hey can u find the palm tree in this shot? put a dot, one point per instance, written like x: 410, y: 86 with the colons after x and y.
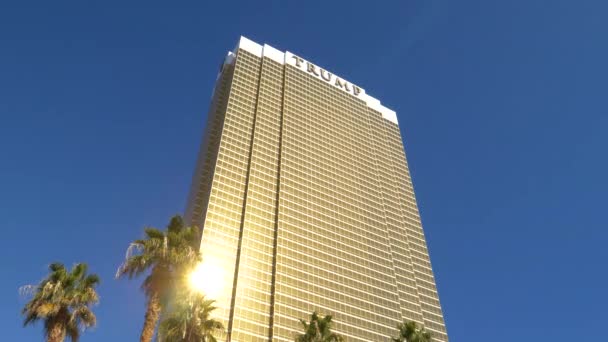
x: 190, y: 319
x: 412, y: 332
x: 318, y: 330
x: 167, y: 255
x: 63, y: 301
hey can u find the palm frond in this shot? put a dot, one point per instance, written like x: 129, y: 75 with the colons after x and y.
x: 62, y: 299
x: 410, y: 331
x: 318, y: 329
x: 176, y: 224
x: 27, y: 290
x: 191, y: 314
x: 153, y: 233
x: 78, y: 271
x: 91, y: 280
x: 56, y: 267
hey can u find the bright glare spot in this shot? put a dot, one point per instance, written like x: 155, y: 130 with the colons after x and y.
x: 207, y: 278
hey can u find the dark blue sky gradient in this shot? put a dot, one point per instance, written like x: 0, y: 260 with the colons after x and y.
x: 502, y: 105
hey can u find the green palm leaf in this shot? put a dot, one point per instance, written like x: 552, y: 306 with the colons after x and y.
x: 412, y: 332
x: 318, y: 330
x: 190, y: 320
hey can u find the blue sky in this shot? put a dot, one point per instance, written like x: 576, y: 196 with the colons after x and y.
x: 502, y: 106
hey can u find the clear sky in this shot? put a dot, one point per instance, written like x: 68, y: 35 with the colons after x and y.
x: 502, y: 105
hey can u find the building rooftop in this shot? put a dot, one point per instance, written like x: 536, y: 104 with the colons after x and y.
x: 314, y: 70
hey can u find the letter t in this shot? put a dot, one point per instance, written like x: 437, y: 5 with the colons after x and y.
x: 298, y: 60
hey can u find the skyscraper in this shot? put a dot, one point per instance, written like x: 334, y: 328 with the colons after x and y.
x: 306, y: 202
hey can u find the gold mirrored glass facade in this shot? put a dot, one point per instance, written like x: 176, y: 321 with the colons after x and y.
x: 306, y: 202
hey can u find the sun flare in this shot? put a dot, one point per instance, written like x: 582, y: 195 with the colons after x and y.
x: 207, y: 278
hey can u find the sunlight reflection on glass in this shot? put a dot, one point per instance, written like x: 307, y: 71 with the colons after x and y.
x: 208, y: 278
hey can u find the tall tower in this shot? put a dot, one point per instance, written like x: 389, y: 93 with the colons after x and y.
x: 306, y: 202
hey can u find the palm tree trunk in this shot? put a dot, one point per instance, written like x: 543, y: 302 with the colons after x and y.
x: 56, y: 332
x: 152, y: 316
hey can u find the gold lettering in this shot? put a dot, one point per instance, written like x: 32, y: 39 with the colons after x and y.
x: 312, y: 68
x: 328, y: 78
x: 342, y: 84
x: 298, y: 60
x: 356, y: 90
